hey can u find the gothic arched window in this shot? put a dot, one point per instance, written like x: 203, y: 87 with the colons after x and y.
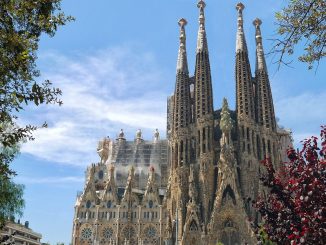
x: 88, y: 204
x: 228, y: 195
x: 228, y: 223
x: 109, y: 204
x: 193, y: 226
x: 150, y: 204
x: 100, y: 174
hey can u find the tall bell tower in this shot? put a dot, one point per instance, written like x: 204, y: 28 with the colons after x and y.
x: 204, y: 118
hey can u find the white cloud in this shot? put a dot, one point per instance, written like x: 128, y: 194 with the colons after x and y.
x: 304, y: 114
x: 102, y: 93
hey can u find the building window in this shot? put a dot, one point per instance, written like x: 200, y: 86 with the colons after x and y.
x: 88, y: 204
x: 248, y: 133
x: 109, y: 204
x: 150, y: 204
x: 100, y: 174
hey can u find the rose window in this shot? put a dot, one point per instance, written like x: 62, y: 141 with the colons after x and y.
x: 151, y: 232
x: 107, y: 232
x: 129, y: 234
x: 86, y: 233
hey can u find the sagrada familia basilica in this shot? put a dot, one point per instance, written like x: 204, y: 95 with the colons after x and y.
x: 195, y: 187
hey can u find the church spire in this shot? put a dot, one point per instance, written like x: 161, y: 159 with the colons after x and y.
x: 204, y: 118
x: 241, y: 44
x: 203, y: 86
x: 264, y: 104
x: 201, y: 39
x: 244, y: 85
x: 181, y: 112
x: 182, y: 104
x: 182, y: 64
x: 260, y: 58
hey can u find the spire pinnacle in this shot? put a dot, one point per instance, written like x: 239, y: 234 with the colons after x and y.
x: 241, y: 41
x: 261, y: 63
x: 257, y: 22
x: 201, y: 5
x: 201, y: 41
x: 182, y: 64
x: 240, y: 7
x: 182, y: 22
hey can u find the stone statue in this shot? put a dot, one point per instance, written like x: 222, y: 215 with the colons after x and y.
x: 121, y: 134
x: 103, y: 149
x: 156, y: 136
x: 138, y: 134
x: 226, y: 124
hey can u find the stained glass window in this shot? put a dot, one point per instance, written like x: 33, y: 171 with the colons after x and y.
x: 88, y: 204
x: 100, y: 174
x: 150, y: 204
x: 86, y: 233
x: 109, y: 204
x: 107, y: 232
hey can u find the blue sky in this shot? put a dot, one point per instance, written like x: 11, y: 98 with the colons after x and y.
x: 116, y: 66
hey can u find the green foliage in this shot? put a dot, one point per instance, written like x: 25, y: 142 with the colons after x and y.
x: 219, y: 243
x: 11, y: 199
x: 11, y: 194
x: 21, y: 25
x: 263, y: 238
x: 302, y: 22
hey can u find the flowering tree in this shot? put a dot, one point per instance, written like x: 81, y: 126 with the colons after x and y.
x: 295, y: 211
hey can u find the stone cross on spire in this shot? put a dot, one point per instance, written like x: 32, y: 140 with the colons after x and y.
x: 182, y: 64
x: 201, y: 39
x: 261, y: 63
x: 241, y: 40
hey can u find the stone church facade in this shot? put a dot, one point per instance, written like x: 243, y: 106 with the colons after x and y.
x: 194, y: 187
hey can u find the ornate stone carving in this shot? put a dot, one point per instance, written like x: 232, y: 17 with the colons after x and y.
x: 103, y: 149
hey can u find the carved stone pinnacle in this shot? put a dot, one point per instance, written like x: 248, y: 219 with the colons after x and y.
x: 182, y: 22
x: 201, y: 4
x: 240, y: 6
x: 257, y: 22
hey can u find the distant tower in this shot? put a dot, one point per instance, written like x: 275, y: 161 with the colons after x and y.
x: 204, y: 119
